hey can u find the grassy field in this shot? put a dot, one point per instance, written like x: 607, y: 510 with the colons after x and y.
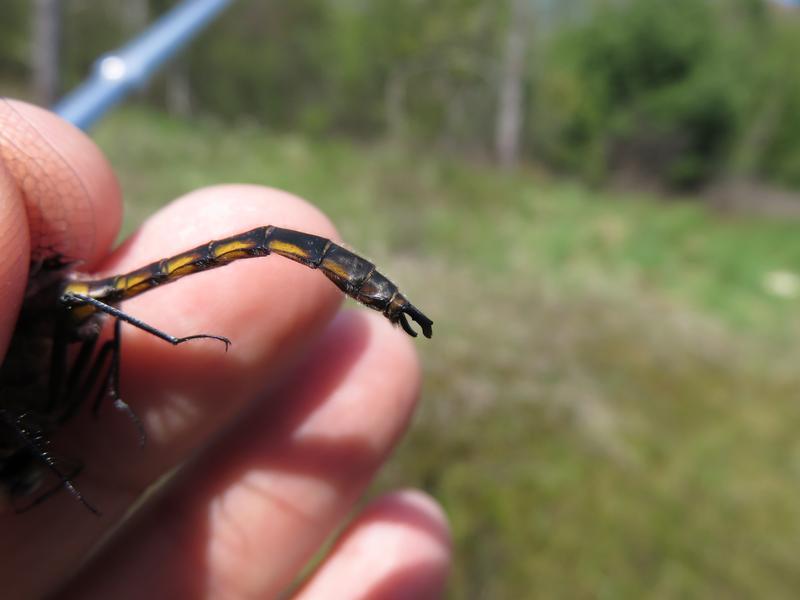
x: 612, y: 402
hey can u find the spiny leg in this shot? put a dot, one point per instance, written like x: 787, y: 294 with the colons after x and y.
x: 80, y: 365
x: 53, y: 491
x: 77, y: 299
x: 85, y: 375
x: 32, y: 441
x: 82, y: 370
x: 110, y: 386
x: 58, y: 368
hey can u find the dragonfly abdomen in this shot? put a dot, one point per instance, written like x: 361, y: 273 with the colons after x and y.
x: 354, y: 275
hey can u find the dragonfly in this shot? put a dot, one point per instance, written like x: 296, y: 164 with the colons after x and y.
x: 56, y: 360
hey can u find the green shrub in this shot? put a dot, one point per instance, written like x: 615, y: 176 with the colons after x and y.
x: 657, y: 88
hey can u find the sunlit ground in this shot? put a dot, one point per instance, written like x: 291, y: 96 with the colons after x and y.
x: 611, y: 399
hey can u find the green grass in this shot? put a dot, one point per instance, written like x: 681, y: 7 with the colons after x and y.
x: 611, y: 398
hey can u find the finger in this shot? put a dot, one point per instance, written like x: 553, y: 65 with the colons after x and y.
x: 72, y: 197
x: 14, y: 254
x: 398, y: 548
x: 252, y: 510
x: 47, y: 166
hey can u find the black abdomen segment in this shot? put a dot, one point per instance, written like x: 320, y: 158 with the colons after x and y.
x: 355, y: 276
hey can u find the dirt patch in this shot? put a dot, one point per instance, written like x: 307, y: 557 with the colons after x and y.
x: 749, y: 197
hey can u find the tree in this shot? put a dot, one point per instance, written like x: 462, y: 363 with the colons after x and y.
x: 45, y: 50
x: 508, y: 129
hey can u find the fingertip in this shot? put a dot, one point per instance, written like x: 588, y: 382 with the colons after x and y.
x: 399, y: 547
x: 14, y: 254
x: 415, y: 508
x: 414, y: 501
x: 63, y: 153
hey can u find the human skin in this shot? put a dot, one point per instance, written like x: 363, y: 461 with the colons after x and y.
x: 279, y: 436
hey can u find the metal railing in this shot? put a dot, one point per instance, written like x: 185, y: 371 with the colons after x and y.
x: 120, y: 72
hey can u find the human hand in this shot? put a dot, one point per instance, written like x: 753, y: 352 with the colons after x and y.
x: 282, y: 434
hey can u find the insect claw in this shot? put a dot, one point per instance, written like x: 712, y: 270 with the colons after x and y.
x: 201, y: 336
x: 222, y: 339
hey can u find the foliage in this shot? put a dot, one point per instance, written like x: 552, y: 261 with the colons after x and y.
x: 611, y: 396
x: 659, y: 88
x: 666, y: 93
x: 14, y: 38
x: 774, y: 147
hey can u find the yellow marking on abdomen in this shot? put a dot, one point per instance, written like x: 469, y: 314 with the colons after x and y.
x: 236, y: 246
x: 280, y: 247
x: 335, y: 268
x: 179, y: 262
x: 77, y: 287
x: 133, y: 280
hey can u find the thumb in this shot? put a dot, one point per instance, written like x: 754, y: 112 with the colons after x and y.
x: 14, y: 254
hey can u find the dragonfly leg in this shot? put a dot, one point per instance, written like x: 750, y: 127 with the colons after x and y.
x: 58, y: 368
x: 99, y: 371
x: 33, y: 442
x: 96, y: 371
x: 71, y: 298
x: 110, y: 387
x: 70, y: 396
x: 70, y: 476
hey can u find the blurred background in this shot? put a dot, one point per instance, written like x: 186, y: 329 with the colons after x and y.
x: 597, y: 202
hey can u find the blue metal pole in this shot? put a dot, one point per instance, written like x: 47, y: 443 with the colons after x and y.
x: 119, y: 72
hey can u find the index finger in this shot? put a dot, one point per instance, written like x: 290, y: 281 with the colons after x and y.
x: 70, y: 195
x: 48, y: 167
